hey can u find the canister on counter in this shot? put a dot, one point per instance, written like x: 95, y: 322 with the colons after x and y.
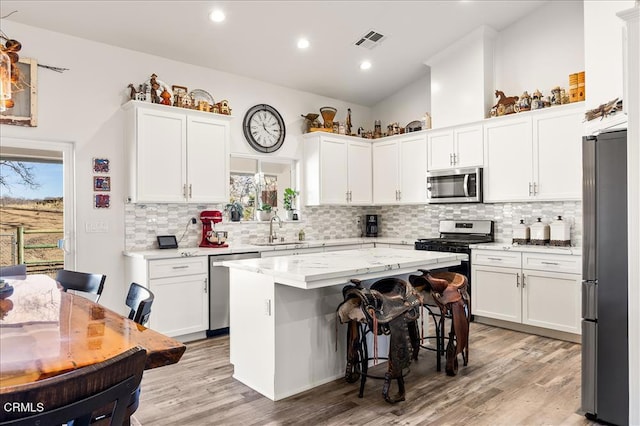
x: 560, y: 233
x: 521, y: 233
x: 539, y: 233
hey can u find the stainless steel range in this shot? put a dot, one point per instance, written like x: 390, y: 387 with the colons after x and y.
x: 455, y: 237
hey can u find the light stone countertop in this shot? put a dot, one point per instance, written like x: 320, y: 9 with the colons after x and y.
x: 575, y: 251
x: 248, y: 248
x: 317, y: 270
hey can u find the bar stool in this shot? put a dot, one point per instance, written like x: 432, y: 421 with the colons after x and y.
x: 387, y: 308
x: 449, y: 292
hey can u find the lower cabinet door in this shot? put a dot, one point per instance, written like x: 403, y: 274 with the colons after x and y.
x: 495, y: 293
x: 552, y: 300
x: 181, y: 305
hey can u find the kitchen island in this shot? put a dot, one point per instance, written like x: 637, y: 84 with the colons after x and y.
x: 283, y: 313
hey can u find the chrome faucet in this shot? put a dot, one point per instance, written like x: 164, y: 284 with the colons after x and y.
x: 272, y: 234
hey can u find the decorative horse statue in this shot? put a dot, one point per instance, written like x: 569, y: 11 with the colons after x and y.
x: 390, y: 307
x: 505, y: 101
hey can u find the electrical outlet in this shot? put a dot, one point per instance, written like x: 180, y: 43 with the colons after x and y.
x: 100, y: 227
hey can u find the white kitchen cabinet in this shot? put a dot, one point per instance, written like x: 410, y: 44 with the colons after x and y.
x: 176, y: 155
x: 456, y: 147
x: 535, y: 289
x: 337, y: 170
x: 399, y: 170
x: 181, y: 289
x: 534, y: 156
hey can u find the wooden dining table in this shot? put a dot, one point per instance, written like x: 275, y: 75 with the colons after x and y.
x: 45, y: 331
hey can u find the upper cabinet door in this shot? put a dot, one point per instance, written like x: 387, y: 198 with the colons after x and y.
x: 359, y: 172
x: 508, y: 159
x: 557, y: 138
x: 333, y: 171
x: 413, y: 169
x: 159, y: 172
x: 385, y: 172
x: 207, y: 160
x: 440, y: 150
x: 468, y: 146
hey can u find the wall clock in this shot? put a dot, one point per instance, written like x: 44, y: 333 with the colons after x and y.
x: 263, y: 128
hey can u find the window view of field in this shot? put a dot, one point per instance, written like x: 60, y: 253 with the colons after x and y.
x: 31, y: 220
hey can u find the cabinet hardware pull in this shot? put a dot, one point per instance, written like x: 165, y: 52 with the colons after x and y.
x: 530, y: 189
x: 184, y: 190
x: 494, y: 258
x: 549, y: 263
x: 535, y: 188
x: 190, y: 191
x: 523, y: 280
x: 350, y: 196
x: 455, y: 158
x: 518, y: 279
x: 206, y: 281
x: 450, y: 159
x: 180, y: 267
x: 399, y: 195
x: 347, y: 196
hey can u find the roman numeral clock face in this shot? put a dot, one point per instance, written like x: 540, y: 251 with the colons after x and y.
x: 263, y: 128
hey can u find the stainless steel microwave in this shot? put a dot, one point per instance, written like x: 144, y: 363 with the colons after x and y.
x: 455, y: 186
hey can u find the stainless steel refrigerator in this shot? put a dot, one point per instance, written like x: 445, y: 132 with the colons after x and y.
x: 605, y: 344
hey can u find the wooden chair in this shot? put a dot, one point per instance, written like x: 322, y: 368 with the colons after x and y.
x: 81, y: 281
x: 14, y: 271
x: 77, y: 394
x: 139, y: 299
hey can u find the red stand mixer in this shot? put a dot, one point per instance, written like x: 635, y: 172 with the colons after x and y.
x: 211, y: 237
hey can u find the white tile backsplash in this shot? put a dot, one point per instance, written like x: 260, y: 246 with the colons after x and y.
x: 144, y: 221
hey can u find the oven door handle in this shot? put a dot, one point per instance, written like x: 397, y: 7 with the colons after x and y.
x: 465, y: 184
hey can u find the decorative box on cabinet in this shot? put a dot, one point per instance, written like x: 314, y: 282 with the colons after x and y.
x: 534, y: 156
x: 176, y: 155
x: 181, y: 289
x: 399, y: 169
x: 534, y: 289
x: 455, y: 147
x: 337, y: 170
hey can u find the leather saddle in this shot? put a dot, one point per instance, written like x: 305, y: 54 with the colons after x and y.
x: 449, y: 291
x: 391, y: 306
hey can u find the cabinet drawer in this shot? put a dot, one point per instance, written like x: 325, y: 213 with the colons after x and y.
x: 178, y: 266
x: 552, y: 262
x: 504, y: 259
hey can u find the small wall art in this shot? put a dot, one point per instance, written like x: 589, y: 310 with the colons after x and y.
x: 102, y: 201
x: 102, y: 183
x: 100, y: 165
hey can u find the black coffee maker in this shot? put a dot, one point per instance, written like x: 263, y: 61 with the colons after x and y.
x: 371, y: 225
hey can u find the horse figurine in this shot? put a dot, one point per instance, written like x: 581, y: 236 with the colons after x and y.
x: 505, y: 101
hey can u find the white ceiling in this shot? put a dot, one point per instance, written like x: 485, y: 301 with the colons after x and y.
x: 258, y: 38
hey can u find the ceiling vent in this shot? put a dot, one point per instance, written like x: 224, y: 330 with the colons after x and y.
x: 370, y: 40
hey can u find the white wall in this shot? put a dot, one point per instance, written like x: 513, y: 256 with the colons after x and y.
x: 603, y: 51
x: 541, y: 50
x: 408, y: 104
x: 82, y: 105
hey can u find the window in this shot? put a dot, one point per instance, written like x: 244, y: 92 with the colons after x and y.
x: 256, y: 183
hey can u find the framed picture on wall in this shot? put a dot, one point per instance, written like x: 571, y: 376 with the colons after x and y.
x: 100, y: 165
x: 22, y: 108
x: 101, y: 183
x: 102, y: 201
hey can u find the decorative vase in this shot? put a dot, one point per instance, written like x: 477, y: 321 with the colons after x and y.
x: 290, y: 214
x: 235, y: 216
x: 264, y: 216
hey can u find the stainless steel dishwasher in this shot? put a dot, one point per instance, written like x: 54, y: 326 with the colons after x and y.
x: 219, y: 291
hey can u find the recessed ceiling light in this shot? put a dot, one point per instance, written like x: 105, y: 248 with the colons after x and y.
x: 303, y: 43
x: 365, y: 65
x: 217, y: 16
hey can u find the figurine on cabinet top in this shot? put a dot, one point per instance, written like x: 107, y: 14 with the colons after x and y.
x: 536, y: 100
x: 525, y: 101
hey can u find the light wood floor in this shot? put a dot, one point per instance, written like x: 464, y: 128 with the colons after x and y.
x: 512, y: 379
